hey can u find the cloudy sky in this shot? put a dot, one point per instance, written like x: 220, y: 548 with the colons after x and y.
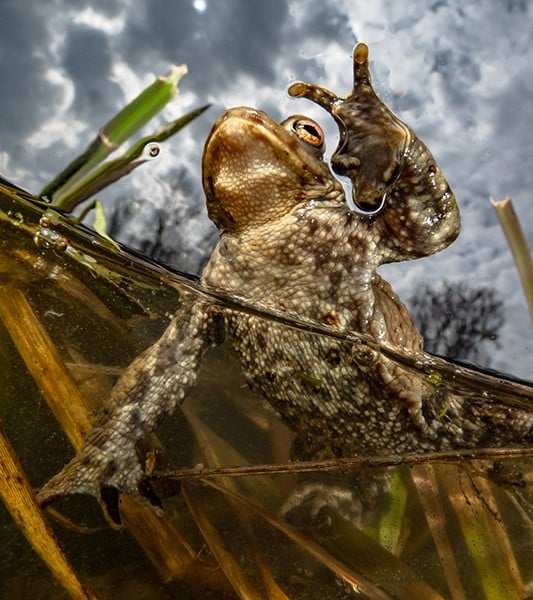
x: 460, y: 73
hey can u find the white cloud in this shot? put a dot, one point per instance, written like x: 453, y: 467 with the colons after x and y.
x: 89, y: 16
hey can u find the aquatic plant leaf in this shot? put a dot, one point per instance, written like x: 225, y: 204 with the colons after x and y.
x: 484, y: 533
x: 18, y: 496
x: 427, y: 487
x: 217, y: 452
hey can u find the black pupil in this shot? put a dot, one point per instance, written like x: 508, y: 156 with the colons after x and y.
x: 310, y: 129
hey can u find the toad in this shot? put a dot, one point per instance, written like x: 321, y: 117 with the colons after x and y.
x: 290, y: 243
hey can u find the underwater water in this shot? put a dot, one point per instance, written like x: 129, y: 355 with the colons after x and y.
x: 241, y: 517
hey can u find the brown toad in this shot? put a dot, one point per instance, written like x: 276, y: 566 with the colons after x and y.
x: 290, y: 243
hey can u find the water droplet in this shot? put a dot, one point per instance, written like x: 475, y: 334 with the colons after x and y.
x: 151, y: 150
x: 46, y: 238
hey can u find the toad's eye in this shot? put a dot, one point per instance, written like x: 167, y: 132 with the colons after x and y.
x: 307, y: 132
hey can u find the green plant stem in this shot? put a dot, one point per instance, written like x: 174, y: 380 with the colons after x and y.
x: 122, y: 126
x: 517, y: 242
x: 110, y: 171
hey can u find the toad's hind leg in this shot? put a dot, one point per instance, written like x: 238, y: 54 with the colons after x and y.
x: 152, y: 386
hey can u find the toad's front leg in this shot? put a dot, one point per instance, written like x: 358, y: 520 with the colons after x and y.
x: 152, y: 386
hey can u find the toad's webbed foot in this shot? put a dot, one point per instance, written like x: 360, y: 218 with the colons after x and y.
x: 102, y: 474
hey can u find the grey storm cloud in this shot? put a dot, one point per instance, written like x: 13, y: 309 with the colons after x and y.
x: 87, y: 61
x: 229, y: 39
x: 24, y: 93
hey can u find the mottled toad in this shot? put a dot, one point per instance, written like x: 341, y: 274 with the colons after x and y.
x: 289, y: 242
